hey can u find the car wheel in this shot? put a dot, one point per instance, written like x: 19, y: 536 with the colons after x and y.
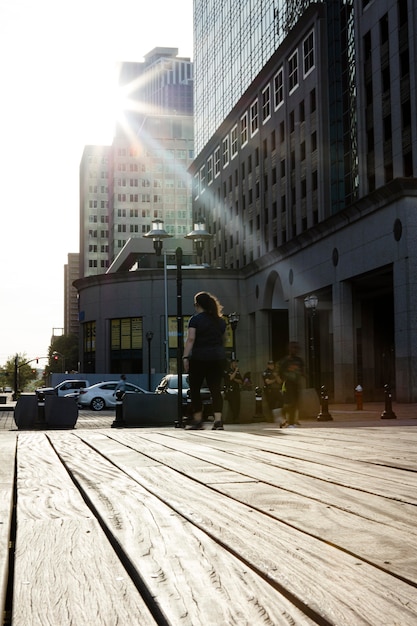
x: 97, y: 404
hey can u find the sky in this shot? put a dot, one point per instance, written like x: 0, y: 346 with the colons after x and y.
x: 57, y: 73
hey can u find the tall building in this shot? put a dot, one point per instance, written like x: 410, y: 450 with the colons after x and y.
x: 143, y: 175
x: 233, y: 41
x: 71, y: 274
x: 163, y: 83
x: 305, y: 174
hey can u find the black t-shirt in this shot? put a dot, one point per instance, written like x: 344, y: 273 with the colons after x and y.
x: 208, y: 343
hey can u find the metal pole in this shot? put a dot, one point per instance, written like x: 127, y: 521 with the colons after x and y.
x: 149, y: 364
x: 313, y: 349
x: 180, y: 332
x: 166, y: 315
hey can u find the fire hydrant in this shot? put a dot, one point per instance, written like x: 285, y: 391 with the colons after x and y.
x: 359, y: 397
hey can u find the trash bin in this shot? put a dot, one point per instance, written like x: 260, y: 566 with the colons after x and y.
x: 26, y: 411
x: 60, y: 412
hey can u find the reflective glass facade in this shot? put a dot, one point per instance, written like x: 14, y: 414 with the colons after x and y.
x: 233, y: 40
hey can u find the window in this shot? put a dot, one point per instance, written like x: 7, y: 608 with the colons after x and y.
x: 279, y: 88
x: 225, y: 151
x: 233, y: 146
x: 244, y: 130
x: 196, y: 185
x: 210, y: 170
x: 254, y: 121
x: 308, y: 53
x: 312, y: 100
x: 293, y: 71
x: 266, y: 104
x: 202, y: 178
x: 217, y: 161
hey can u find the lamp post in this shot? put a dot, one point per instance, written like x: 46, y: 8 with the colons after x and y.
x: 233, y: 321
x: 149, y: 337
x: 310, y: 303
x: 56, y: 354
x: 199, y: 235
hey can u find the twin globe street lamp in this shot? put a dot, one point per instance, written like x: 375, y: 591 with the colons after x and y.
x: 199, y: 235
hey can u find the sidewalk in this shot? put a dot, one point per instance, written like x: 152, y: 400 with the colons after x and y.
x: 343, y: 415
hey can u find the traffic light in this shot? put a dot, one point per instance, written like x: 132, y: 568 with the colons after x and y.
x: 56, y: 357
x: 37, y: 361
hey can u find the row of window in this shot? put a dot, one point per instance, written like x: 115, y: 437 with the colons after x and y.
x: 272, y: 95
x: 104, y: 219
x: 93, y: 263
x: 167, y: 183
x: 94, y: 189
x: 93, y: 204
x: 93, y: 234
x: 94, y: 248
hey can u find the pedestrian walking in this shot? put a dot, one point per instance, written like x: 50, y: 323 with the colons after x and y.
x: 291, y: 370
x: 120, y: 389
x: 234, y: 382
x: 272, y: 388
x: 204, y: 356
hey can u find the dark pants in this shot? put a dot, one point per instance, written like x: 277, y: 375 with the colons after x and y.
x: 213, y: 372
x: 233, y: 398
x: 291, y: 400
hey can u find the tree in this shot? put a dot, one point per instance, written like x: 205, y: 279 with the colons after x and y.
x: 22, y: 369
x: 65, y: 348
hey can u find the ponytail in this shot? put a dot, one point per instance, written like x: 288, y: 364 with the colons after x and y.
x: 209, y: 304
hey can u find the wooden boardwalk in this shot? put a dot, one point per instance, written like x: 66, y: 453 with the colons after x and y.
x: 172, y: 527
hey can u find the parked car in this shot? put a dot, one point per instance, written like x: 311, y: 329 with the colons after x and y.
x: 169, y: 384
x: 64, y: 388
x: 102, y: 395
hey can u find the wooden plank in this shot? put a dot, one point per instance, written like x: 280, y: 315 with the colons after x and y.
x: 7, y: 471
x: 381, y: 531
x: 66, y: 571
x: 321, y: 576
x: 357, y: 502
x: 193, y: 580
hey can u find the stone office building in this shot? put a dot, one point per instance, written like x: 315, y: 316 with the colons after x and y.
x: 308, y: 185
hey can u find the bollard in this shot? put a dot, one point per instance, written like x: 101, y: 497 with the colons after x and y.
x: 324, y: 415
x: 258, y: 405
x: 388, y: 414
x: 359, y: 397
x: 119, y: 409
x: 40, y: 420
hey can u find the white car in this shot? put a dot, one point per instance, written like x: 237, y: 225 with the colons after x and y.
x: 102, y: 395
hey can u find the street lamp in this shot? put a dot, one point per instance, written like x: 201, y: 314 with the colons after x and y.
x: 56, y: 354
x: 157, y: 234
x: 199, y: 235
x: 310, y: 303
x: 233, y: 321
x: 149, y: 337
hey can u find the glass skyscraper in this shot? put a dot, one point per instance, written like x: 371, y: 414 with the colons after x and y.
x: 233, y: 40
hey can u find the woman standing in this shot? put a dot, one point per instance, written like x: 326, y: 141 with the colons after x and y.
x: 204, y: 356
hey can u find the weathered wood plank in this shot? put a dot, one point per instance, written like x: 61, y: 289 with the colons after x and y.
x: 381, y: 531
x: 320, y: 575
x: 392, y: 487
x: 360, y: 503
x: 66, y: 571
x: 193, y: 580
x: 7, y: 471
